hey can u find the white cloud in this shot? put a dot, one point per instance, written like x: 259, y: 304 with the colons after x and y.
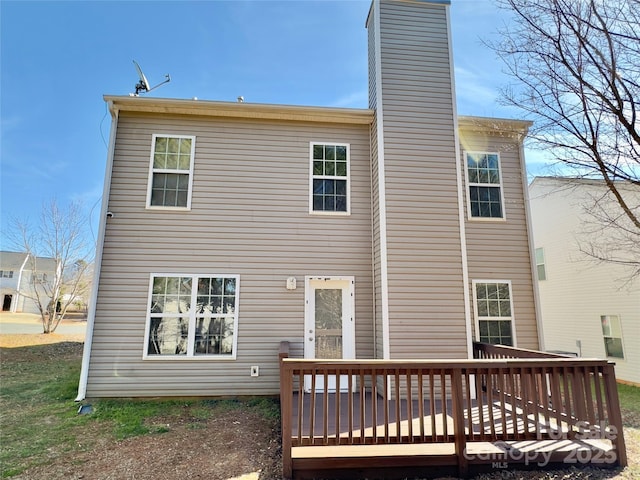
x: 473, y: 89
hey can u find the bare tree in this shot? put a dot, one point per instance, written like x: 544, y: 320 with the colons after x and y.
x: 576, y: 66
x: 607, y: 235
x: 60, y: 236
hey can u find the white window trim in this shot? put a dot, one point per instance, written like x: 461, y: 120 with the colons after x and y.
x: 192, y: 320
x: 621, y: 337
x: 162, y: 170
x: 468, y: 184
x: 311, y: 177
x: 477, y: 317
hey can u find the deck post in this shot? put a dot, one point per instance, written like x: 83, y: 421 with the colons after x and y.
x: 459, y: 436
x: 286, y: 406
x: 613, y: 412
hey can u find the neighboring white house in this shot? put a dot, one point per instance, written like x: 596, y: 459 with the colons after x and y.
x: 22, y: 278
x: 587, y: 307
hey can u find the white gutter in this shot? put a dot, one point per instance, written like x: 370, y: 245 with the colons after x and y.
x: 461, y: 196
x: 382, y: 198
x: 86, y: 354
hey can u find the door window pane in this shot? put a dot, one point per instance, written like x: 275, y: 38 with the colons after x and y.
x: 328, y: 317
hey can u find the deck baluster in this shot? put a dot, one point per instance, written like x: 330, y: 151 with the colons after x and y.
x: 541, y: 397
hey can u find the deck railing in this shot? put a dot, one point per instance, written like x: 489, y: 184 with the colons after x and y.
x: 487, y: 350
x: 540, y: 397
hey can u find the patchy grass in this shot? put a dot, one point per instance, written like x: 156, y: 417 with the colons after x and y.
x: 630, y: 404
x: 40, y: 424
x: 38, y: 414
x: 630, y: 407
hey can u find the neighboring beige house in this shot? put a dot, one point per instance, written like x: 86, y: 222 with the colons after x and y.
x: 587, y: 308
x: 23, y: 278
x: 394, y: 232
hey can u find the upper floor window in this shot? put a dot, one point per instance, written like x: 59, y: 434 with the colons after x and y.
x: 612, y: 333
x: 484, y: 193
x: 542, y: 271
x: 171, y: 171
x: 494, y: 312
x: 6, y: 273
x: 192, y: 316
x: 329, y: 191
x: 38, y: 278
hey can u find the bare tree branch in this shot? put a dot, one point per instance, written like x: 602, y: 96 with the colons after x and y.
x: 576, y: 71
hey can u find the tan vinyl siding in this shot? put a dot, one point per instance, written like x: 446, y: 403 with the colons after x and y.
x: 499, y: 249
x: 426, y: 304
x: 250, y: 217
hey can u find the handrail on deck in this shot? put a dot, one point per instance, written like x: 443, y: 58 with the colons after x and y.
x: 489, y: 350
x: 536, y: 396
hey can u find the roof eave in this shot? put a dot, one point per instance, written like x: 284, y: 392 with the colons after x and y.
x: 499, y: 126
x: 245, y: 110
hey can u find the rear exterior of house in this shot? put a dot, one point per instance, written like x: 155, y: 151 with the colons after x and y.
x: 394, y: 232
x: 587, y: 308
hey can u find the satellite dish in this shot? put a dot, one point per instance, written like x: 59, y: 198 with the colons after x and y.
x: 143, y: 84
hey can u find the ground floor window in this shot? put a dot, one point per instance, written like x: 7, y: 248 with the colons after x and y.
x: 612, y: 333
x: 192, y: 316
x: 493, y: 310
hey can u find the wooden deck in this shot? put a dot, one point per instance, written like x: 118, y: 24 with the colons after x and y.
x: 395, y: 419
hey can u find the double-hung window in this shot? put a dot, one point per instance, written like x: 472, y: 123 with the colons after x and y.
x: 171, y: 171
x: 192, y: 316
x: 494, y: 312
x: 484, y: 192
x: 329, y: 192
x: 612, y: 333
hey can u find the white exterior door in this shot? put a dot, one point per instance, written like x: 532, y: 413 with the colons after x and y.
x: 329, y: 323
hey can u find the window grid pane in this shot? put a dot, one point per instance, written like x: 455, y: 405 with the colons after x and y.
x: 168, y: 336
x: 329, y: 184
x: 214, y: 336
x: 171, y: 172
x: 493, y: 306
x: 485, y: 193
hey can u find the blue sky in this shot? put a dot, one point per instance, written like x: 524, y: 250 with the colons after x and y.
x: 59, y: 58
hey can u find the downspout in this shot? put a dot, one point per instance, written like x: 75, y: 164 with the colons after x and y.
x: 91, y: 316
x: 382, y: 205
x: 19, y: 284
x: 373, y: 246
x: 532, y: 247
x: 461, y: 195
